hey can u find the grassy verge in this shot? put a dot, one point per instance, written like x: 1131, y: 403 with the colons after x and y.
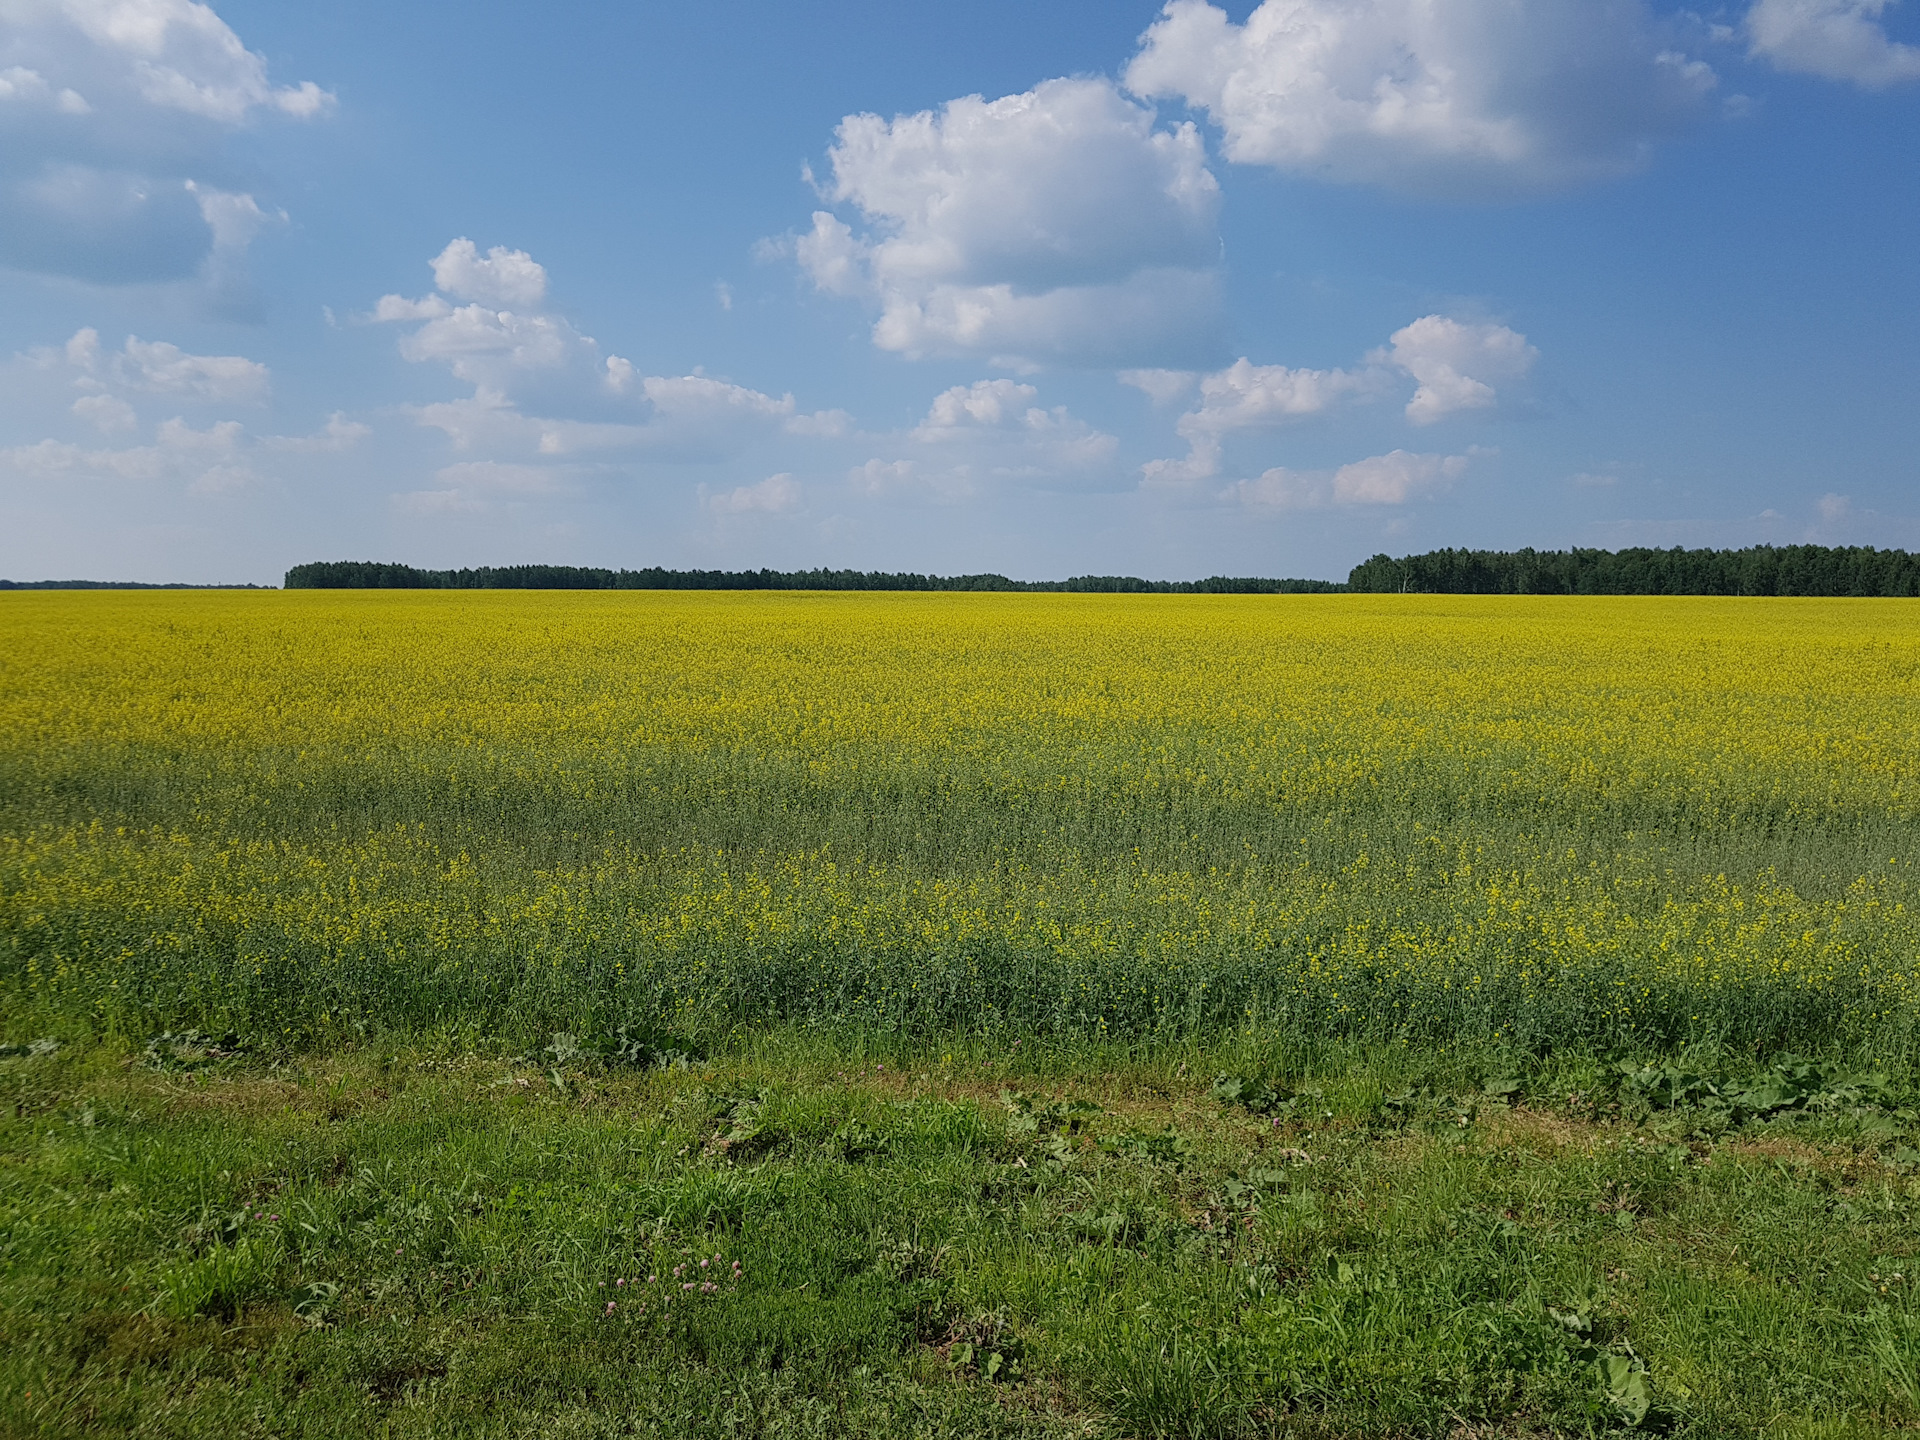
x: 1333, y: 1241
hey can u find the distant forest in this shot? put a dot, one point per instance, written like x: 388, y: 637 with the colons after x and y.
x: 115, y: 585
x: 364, y: 575
x: 1759, y: 570
x: 1812, y: 570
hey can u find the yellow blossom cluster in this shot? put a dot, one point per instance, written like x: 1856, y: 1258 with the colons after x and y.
x: 1555, y: 819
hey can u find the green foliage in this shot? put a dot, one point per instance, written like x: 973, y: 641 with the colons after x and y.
x: 438, y: 1242
x: 628, y: 1047
x: 986, y: 1348
x: 1791, y: 1088
x: 220, y: 1282
x: 1028, y: 1115
x: 1255, y: 1093
x: 372, y: 575
x: 1169, y: 1147
x: 1817, y: 570
x: 190, y: 1050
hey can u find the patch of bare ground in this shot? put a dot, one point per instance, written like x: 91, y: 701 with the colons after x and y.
x: 1547, y: 1134
x: 1823, y: 1158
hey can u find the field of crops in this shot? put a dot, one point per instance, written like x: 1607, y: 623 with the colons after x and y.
x: 1040, y: 1017
x: 311, y: 815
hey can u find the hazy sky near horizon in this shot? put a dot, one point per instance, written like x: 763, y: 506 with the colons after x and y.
x: 1042, y: 288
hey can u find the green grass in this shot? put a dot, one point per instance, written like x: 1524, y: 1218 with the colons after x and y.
x: 1358, y: 1241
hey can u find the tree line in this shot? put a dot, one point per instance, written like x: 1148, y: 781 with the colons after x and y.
x: 369, y: 575
x: 1815, y: 570
x: 1812, y: 570
x: 117, y: 585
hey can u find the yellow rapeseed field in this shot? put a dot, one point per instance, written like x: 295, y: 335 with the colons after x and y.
x: 311, y: 813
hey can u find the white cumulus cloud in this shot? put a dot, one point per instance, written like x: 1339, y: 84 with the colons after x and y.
x: 176, y: 54
x: 113, y: 121
x: 1060, y: 224
x: 106, y: 413
x: 21, y: 86
x: 774, y: 495
x: 174, y: 396
x: 1471, y: 97
x: 544, y: 394
x: 163, y: 369
x: 997, y: 424
x: 1834, y: 39
x: 209, y: 460
x: 967, y: 409
x: 1457, y: 364
x: 493, y: 347
x: 391, y: 309
x: 1392, y: 479
x: 1246, y: 396
x: 1163, y: 387
x: 717, y: 402
x: 154, y: 367
x: 501, y: 277
x: 992, y: 435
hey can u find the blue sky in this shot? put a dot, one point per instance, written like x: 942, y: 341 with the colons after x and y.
x: 1046, y: 288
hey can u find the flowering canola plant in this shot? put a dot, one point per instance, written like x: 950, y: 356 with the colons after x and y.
x: 316, y: 813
